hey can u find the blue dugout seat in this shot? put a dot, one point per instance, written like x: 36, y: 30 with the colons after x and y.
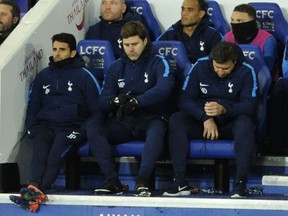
x: 175, y: 53
x: 216, y: 17
x: 271, y: 19
x: 24, y: 6
x: 143, y: 8
x: 98, y: 56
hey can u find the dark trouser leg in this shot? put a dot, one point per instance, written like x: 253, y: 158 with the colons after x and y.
x: 277, y: 127
x: 181, y: 129
x: 245, y: 146
x: 101, y: 148
x: 153, y: 146
x: 63, y: 143
x: 42, y: 139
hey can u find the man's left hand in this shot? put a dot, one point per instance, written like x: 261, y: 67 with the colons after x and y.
x: 214, y: 109
x: 127, y: 108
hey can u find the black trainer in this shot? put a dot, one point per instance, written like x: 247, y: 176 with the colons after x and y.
x: 239, y: 190
x: 141, y: 187
x: 178, y: 187
x: 112, y: 186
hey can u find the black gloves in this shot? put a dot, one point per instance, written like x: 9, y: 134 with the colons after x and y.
x: 126, y: 108
x: 120, y: 100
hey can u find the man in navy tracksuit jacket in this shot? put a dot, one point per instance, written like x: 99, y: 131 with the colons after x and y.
x: 113, y: 17
x: 134, y: 94
x: 218, y: 101
x: 194, y: 30
x: 63, y: 97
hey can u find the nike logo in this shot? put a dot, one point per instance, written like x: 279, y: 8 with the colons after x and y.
x: 201, y: 84
x: 181, y: 188
x: 45, y: 87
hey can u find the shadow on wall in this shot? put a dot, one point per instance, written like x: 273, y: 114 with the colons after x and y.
x: 22, y: 154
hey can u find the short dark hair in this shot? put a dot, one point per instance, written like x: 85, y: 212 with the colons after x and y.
x: 65, y: 38
x: 225, y: 51
x: 15, y: 8
x: 133, y: 28
x: 203, y: 5
x: 246, y: 8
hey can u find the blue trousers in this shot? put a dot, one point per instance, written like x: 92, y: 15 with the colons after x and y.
x: 50, y: 147
x: 102, y: 135
x: 183, y: 128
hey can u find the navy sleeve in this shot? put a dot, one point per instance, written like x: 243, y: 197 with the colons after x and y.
x: 285, y: 62
x: 34, y: 103
x: 190, y: 95
x: 110, y: 89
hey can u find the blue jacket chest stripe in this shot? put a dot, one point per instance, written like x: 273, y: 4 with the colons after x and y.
x: 93, y: 78
x: 167, y: 68
x: 255, y: 87
x: 191, y: 70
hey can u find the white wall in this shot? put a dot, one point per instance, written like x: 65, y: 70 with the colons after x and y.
x: 27, y: 49
x: 24, y: 53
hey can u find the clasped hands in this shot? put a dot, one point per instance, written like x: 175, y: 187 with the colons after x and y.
x: 210, y: 127
x: 125, y: 105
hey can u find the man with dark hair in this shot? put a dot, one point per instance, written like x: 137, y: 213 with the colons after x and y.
x: 133, y: 97
x: 194, y: 30
x: 9, y: 18
x: 218, y: 101
x: 245, y: 31
x: 114, y: 14
x: 63, y: 97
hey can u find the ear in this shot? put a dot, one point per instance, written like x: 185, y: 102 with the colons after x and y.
x: 145, y: 41
x: 202, y: 13
x: 73, y: 53
x: 15, y: 20
x: 124, y: 7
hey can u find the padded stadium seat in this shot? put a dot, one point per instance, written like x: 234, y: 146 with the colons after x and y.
x: 24, y: 6
x: 98, y: 56
x: 271, y: 19
x: 217, y: 18
x: 144, y: 9
x: 222, y: 150
x: 133, y: 148
x: 176, y: 54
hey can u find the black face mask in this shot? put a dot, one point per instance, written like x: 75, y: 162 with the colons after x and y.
x: 245, y: 33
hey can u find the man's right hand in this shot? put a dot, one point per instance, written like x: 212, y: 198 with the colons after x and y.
x: 120, y: 100
x: 210, y: 129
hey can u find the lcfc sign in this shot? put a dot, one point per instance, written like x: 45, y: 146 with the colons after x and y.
x: 138, y: 9
x: 92, y: 50
x: 167, y: 50
x: 249, y: 54
x: 264, y: 13
x: 210, y: 11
